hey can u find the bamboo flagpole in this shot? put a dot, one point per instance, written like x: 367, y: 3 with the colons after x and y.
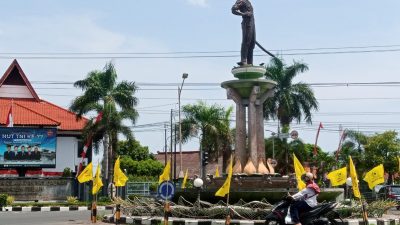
x: 316, y: 138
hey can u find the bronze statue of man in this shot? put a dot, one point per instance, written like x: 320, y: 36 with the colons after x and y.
x: 245, y: 9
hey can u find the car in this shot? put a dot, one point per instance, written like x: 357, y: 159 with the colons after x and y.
x: 390, y: 192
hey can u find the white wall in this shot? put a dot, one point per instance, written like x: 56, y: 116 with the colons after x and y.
x: 66, y: 154
x: 15, y: 91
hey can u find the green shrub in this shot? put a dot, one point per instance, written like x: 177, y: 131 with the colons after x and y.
x: 104, y: 199
x: 72, y: 200
x: 67, y: 172
x: 3, y: 199
x: 10, y: 200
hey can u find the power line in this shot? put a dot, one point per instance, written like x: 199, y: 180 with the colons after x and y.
x: 198, y: 52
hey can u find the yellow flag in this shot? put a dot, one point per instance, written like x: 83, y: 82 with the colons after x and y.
x: 87, y: 174
x: 216, y: 172
x: 338, y: 177
x: 375, y: 176
x: 227, y: 184
x: 97, y: 183
x: 299, y: 170
x: 354, y: 179
x: 120, y: 178
x: 399, y: 163
x: 184, y: 180
x: 165, y: 175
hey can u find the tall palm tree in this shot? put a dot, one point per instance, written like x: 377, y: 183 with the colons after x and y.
x: 211, y: 125
x: 116, y: 101
x: 291, y: 101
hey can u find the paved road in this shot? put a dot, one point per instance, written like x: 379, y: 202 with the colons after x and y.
x: 48, y: 218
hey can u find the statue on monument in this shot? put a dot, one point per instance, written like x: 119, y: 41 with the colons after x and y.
x: 245, y: 9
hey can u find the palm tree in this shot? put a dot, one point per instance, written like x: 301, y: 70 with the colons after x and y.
x: 116, y: 101
x: 291, y: 101
x: 211, y: 125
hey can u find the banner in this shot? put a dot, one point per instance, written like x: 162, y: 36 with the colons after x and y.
x: 28, y: 147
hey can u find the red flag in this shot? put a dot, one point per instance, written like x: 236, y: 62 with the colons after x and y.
x: 316, y: 138
x: 87, y: 144
x: 10, y: 120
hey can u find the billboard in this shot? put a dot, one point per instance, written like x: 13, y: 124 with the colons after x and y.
x: 28, y: 147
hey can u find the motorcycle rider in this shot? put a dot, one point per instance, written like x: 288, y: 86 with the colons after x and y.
x: 305, y: 199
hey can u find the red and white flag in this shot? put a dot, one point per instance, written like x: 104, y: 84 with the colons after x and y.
x: 10, y: 120
x: 316, y: 139
x: 87, y: 144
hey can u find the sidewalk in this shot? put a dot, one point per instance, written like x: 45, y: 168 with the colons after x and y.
x: 387, y: 220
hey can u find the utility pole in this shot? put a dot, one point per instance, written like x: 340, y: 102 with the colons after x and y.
x: 171, y: 136
x: 165, y: 142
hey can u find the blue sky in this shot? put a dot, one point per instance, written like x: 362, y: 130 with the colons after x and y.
x: 208, y: 25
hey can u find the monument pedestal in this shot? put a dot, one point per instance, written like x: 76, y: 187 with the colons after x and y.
x: 249, y: 91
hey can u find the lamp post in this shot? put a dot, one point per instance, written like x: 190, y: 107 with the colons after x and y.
x: 184, y: 76
x: 198, y: 183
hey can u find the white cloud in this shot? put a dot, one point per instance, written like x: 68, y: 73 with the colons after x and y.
x: 201, y: 3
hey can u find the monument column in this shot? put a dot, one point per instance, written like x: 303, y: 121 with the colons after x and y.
x: 252, y: 124
x: 240, y: 136
x: 260, y: 122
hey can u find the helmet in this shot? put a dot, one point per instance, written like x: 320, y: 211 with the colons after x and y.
x: 308, y: 175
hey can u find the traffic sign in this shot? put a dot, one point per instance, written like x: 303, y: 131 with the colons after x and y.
x: 166, y: 190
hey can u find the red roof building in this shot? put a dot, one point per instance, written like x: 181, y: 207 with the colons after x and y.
x: 28, y: 110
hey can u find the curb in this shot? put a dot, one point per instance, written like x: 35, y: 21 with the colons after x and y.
x: 52, y: 208
x: 186, y: 221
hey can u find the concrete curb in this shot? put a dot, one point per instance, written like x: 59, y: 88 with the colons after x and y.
x: 52, y: 208
x: 183, y: 221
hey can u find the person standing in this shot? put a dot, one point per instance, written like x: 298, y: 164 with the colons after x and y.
x: 9, y: 155
x: 245, y: 9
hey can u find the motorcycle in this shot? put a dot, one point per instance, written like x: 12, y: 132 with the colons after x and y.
x: 317, y: 216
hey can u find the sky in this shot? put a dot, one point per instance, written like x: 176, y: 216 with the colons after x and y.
x: 351, y: 41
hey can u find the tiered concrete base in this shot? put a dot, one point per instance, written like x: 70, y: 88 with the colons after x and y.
x: 249, y: 91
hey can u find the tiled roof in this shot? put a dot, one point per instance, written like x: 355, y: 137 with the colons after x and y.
x: 32, y: 112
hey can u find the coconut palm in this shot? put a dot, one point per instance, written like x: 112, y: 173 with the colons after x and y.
x: 103, y: 94
x: 291, y: 101
x: 211, y: 125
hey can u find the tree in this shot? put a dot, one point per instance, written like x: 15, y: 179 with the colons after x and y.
x: 383, y: 149
x: 353, y: 145
x: 134, y: 150
x: 116, y: 101
x: 211, y: 125
x: 291, y: 101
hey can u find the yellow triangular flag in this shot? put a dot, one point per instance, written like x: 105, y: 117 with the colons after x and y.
x: 184, y: 180
x: 375, y: 176
x: 216, y: 172
x: 227, y: 184
x: 87, y: 174
x: 97, y: 182
x: 299, y: 170
x: 165, y: 175
x: 338, y: 177
x: 120, y: 178
x: 354, y: 179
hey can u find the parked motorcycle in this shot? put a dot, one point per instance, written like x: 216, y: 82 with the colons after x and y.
x: 317, y: 216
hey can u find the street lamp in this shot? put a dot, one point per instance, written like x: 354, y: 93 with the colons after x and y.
x: 198, y: 183
x: 184, y: 76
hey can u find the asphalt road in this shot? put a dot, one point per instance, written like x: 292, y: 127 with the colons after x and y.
x: 48, y: 218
